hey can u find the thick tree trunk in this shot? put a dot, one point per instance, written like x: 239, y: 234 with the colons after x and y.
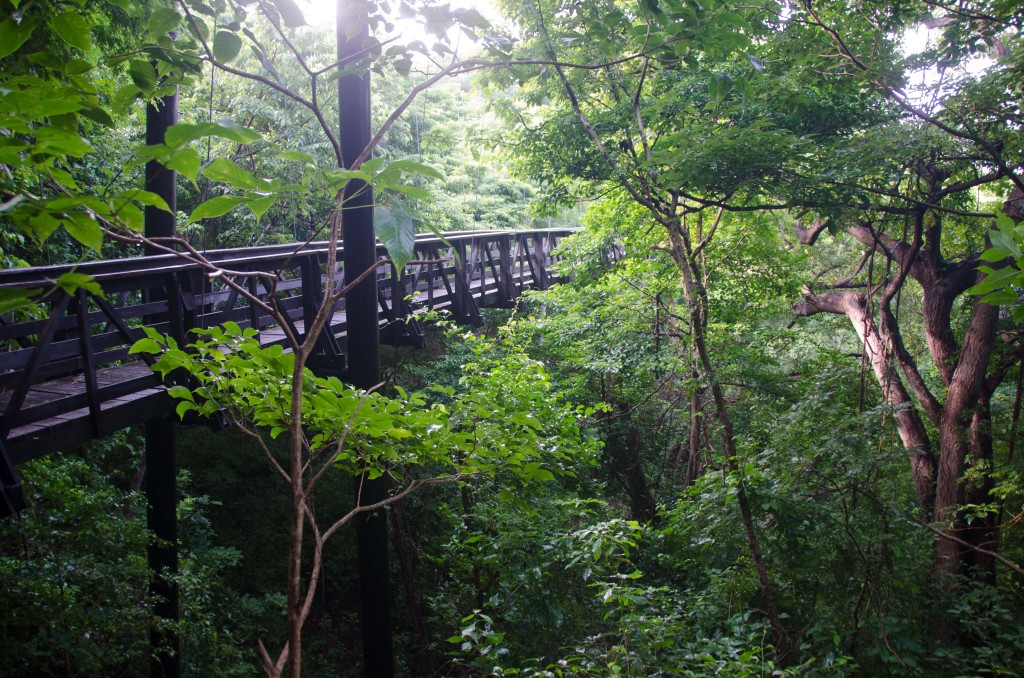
x: 982, y: 531
x: 962, y: 421
x: 965, y: 391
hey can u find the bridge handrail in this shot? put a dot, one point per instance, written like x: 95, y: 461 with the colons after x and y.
x: 106, y: 269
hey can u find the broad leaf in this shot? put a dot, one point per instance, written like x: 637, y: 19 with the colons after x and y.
x: 226, y: 46
x: 413, y: 167
x: 260, y: 205
x: 163, y: 21
x: 85, y: 230
x: 13, y: 35
x: 226, y: 171
x: 290, y: 13
x: 13, y: 297
x: 183, y: 132
x: 215, y: 207
x: 73, y: 29
x: 396, y: 230
x: 186, y: 161
x: 143, y: 75
x: 69, y: 282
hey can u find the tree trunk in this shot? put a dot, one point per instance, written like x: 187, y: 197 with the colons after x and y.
x: 642, y: 505
x: 965, y: 390
x: 693, y: 466
x: 696, y: 298
x: 981, y: 531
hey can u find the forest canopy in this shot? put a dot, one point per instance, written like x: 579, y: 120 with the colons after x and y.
x: 767, y: 423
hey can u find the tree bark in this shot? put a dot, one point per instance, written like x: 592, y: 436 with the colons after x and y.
x: 965, y: 390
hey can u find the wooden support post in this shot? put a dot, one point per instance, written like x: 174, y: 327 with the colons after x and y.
x: 363, y: 340
x: 161, y: 464
x: 12, y: 496
x: 161, y: 517
x: 159, y: 179
x: 540, y: 264
x: 509, y: 290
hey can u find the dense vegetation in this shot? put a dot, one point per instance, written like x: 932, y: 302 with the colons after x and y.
x: 777, y: 432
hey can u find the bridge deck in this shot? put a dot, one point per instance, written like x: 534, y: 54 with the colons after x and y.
x: 67, y: 377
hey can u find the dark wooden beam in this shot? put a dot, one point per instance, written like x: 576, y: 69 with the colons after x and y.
x: 160, y: 455
x: 363, y: 341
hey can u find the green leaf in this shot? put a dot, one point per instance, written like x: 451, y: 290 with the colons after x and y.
x: 226, y: 171
x: 13, y: 297
x: 129, y: 214
x: 71, y: 281
x: 1005, y: 242
x: 186, y: 161
x: 1002, y: 297
x: 993, y: 254
x: 147, y: 345
x: 76, y: 67
x: 163, y: 21
x: 297, y: 156
x: 85, y: 230
x: 215, y: 207
x: 396, y: 230
x: 290, y: 12
x: 412, y: 191
x: 996, y: 280
x: 43, y: 225
x: 413, y: 167
x: 232, y: 131
x: 181, y: 392
x: 226, y: 46
x: 183, y: 132
x: 150, y: 199
x: 143, y: 75
x: 13, y: 34
x: 473, y: 18
x: 73, y: 29
x: 403, y: 66
x: 260, y: 205
x: 61, y: 141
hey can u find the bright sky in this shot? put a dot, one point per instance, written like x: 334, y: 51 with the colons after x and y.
x: 321, y: 12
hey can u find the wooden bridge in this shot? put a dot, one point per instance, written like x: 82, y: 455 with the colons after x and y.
x: 66, y: 375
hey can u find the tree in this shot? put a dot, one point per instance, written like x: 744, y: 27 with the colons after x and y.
x: 796, y: 107
x: 924, y: 224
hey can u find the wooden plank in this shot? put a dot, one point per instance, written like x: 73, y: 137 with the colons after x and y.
x: 37, y: 440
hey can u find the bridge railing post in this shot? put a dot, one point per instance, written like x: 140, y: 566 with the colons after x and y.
x: 509, y: 290
x: 540, y: 271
